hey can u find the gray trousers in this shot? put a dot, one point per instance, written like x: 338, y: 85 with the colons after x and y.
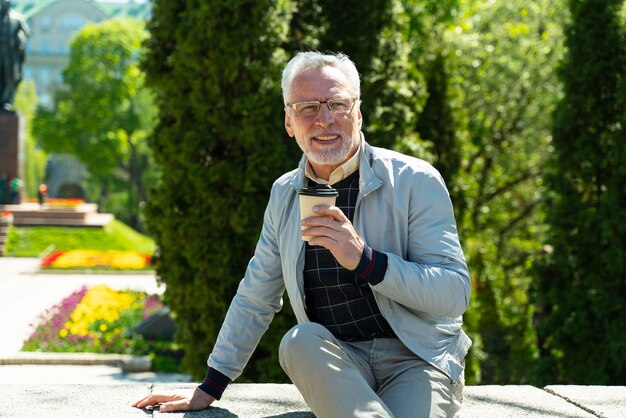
x: 377, y: 378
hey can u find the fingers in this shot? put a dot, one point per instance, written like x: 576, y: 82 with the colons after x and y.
x: 171, y: 402
x: 156, y: 399
x: 330, y: 211
x: 331, y: 217
x: 333, y: 231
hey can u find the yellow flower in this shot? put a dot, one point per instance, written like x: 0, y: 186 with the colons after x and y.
x: 100, y: 303
x: 63, y: 333
x: 126, y: 260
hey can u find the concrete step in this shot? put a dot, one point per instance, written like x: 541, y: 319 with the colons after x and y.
x: 128, y: 363
x: 33, y: 214
x: 91, y: 220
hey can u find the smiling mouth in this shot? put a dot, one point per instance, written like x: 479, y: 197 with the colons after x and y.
x: 325, y: 137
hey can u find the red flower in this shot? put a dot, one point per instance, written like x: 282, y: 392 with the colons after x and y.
x: 48, y: 260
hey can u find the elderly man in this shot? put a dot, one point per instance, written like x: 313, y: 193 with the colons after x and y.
x: 13, y: 34
x: 379, y: 289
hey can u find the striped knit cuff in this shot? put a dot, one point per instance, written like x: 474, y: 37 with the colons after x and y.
x: 372, y: 267
x: 214, y: 383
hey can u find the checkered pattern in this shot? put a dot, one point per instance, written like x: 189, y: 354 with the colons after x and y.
x: 336, y: 297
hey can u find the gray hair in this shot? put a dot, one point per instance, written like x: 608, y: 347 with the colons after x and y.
x: 304, y: 61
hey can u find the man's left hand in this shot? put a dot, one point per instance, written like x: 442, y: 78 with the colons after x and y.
x: 332, y: 230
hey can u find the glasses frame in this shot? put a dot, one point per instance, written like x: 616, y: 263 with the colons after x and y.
x: 319, y: 103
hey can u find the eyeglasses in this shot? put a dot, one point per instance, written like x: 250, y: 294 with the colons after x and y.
x: 337, y: 106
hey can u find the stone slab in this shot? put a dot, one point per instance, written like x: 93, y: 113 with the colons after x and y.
x: 258, y: 400
x: 493, y: 401
x: 95, y: 401
x: 603, y: 401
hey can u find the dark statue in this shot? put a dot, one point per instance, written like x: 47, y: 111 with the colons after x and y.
x: 13, y: 34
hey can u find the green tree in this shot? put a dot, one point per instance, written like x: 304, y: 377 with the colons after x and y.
x: 441, y: 123
x: 581, y: 283
x: 504, y: 58
x: 104, y: 113
x: 215, y: 67
x: 34, y: 157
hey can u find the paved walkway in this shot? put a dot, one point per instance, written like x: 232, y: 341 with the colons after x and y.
x: 25, y: 293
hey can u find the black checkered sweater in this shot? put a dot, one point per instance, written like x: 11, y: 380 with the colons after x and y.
x: 336, y: 297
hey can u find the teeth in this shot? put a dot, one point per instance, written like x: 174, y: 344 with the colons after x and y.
x: 326, y: 137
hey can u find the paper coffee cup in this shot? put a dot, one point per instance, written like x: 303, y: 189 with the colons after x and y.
x: 313, y: 196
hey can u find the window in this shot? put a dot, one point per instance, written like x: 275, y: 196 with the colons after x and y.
x: 71, y: 22
x: 45, y: 75
x: 46, y: 22
x: 28, y: 73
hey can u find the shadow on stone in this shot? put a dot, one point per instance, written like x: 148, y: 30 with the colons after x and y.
x: 299, y: 414
x: 212, y: 412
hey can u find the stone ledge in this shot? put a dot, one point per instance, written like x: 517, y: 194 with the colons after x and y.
x: 602, y: 401
x: 128, y: 363
x: 284, y: 401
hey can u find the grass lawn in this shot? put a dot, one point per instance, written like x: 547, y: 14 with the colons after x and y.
x: 33, y: 240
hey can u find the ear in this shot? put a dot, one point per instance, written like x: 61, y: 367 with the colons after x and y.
x: 288, y: 125
x: 359, y: 118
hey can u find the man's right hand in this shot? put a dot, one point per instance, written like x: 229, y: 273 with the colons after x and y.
x: 171, y: 402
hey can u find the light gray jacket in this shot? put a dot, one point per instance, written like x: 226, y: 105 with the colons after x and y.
x: 404, y: 210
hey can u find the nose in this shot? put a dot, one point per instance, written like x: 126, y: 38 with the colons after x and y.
x: 324, y: 115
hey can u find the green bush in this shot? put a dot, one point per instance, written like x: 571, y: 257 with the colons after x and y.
x: 215, y: 67
x: 581, y: 290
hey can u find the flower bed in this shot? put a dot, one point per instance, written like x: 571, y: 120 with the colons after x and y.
x: 6, y: 217
x: 95, y: 320
x: 93, y: 259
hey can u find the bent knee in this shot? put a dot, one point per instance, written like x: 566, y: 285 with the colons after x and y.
x: 301, y: 338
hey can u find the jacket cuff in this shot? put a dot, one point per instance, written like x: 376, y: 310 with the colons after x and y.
x: 372, y: 267
x: 214, y: 383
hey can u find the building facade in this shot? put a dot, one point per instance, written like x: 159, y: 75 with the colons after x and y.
x: 53, y: 25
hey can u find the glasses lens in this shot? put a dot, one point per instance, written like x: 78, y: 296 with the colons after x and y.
x: 307, y: 108
x: 340, y: 105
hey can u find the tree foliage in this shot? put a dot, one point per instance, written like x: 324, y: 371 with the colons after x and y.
x: 104, y: 113
x: 34, y: 157
x: 215, y: 67
x: 506, y: 54
x: 581, y: 285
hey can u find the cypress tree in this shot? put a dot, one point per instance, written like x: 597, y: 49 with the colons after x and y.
x: 582, y: 279
x: 215, y: 68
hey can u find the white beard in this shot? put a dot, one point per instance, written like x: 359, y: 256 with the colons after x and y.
x: 330, y: 156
